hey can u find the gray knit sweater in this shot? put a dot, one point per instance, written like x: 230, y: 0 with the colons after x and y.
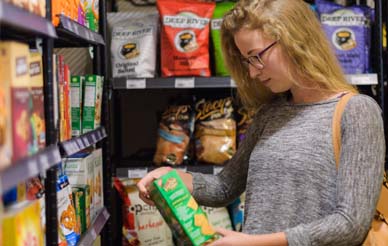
x: 286, y: 165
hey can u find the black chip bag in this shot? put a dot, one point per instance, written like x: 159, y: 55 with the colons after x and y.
x: 175, y: 130
x: 215, y: 130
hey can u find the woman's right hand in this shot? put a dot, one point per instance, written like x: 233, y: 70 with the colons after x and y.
x: 146, y: 181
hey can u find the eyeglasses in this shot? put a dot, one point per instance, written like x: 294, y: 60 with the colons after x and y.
x: 255, y: 60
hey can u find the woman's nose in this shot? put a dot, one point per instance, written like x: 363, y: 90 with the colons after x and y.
x: 253, y: 71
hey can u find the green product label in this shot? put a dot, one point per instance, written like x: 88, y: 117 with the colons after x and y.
x: 76, y: 104
x: 181, y: 212
x: 88, y: 112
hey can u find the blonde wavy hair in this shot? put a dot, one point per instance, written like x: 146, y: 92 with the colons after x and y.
x: 301, y: 38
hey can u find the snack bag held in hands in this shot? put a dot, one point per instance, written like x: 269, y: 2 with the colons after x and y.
x: 186, y: 219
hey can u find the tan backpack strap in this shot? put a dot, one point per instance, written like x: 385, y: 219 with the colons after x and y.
x: 336, y: 125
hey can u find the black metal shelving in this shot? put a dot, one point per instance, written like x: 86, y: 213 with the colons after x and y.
x: 95, y: 229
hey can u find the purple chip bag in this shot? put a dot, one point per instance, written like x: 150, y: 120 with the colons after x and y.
x: 348, y: 30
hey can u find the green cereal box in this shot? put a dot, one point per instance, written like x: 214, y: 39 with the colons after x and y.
x: 76, y: 84
x: 81, y: 196
x: 91, y: 112
x: 186, y: 219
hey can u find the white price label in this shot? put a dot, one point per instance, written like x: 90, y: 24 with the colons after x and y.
x: 93, y: 233
x: 86, y: 140
x: 94, y: 138
x: 232, y: 83
x: 136, y: 83
x: 217, y: 170
x: 183, y: 169
x: 106, y: 214
x: 43, y: 159
x: 184, y: 82
x: 32, y: 167
x: 137, y: 173
x: 362, y: 79
x: 80, y: 143
x: 76, y: 29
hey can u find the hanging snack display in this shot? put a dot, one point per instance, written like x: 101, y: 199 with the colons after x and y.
x: 185, y: 37
x: 174, y: 134
x: 348, y: 30
x: 219, y: 12
x: 133, y: 45
x: 215, y: 130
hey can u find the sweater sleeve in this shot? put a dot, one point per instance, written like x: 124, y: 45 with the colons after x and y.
x: 359, y: 180
x: 221, y: 189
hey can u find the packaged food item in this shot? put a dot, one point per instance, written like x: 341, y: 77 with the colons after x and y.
x: 236, y: 211
x: 175, y: 130
x: 98, y: 196
x: 79, y: 169
x: 186, y: 219
x: 37, y: 119
x: 244, y: 120
x: 21, y: 224
x: 34, y: 188
x: 215, y: 130
x: 219, y: 12
x: 133, y: 44
x: 82, y: 200
x: 37, y: 7
x: 348, y: 30
x: 185, y: 37
x: 15, y: 127
x: 66, y: 213
x: 76, y: 104
x: 91, y: 112
x: 142, y: 224
x: 92, y: 15
x: 218, y: 217
x: 82, y: 12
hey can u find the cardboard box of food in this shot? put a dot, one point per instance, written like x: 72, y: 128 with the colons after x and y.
x: 15, y: 127
x: 81, y: 194
x: 37, y: 113
x: 76, y: 104
x: 98, y: 182
x: 91, y: 112
x: 186, y: 219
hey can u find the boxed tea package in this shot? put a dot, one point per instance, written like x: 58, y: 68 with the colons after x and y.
x: 186, y: 219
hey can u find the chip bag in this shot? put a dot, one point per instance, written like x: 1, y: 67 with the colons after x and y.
x: 186, y: 219
x: 174, y: 134
x: 219, y: 12
x: 215, y: 130
x: 185, y: 37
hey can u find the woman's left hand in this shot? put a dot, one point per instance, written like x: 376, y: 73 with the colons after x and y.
x: 231, y: 238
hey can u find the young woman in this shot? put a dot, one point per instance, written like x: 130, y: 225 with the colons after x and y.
x: 282, y: 63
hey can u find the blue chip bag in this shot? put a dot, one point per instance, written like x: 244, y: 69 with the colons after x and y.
x: 236, y: 211
x: 348, y: 30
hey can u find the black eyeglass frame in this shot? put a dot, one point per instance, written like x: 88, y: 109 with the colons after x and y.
x: 257, y: 58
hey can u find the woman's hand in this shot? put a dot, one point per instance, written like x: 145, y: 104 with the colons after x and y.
x: 231, y: 238
x: 145, y: 182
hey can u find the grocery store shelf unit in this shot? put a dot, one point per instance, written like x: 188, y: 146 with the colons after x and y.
x: 210, y: 82
x: 29, y: 167
x: 73, y: 34
x: 19, y: 20
x: 82, y: 142
x: 95, y: 229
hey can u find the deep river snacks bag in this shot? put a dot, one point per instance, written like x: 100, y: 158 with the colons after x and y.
x: 348, y: 31
x: 186, y: 219
x: 175, y: 129
x: 133, y: 44
x: 219, y: 12
x: 185, y: 37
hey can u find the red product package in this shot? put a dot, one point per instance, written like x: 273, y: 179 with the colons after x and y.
x: 185, y: 37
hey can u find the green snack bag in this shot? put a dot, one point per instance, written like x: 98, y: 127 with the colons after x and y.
x: 181, y: 212
x: 219, y: 12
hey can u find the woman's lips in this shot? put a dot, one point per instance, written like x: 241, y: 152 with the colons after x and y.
x: 266, y: 81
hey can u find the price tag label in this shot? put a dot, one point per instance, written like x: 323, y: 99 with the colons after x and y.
x: 184, y: 82
x: 80, y: 143
x: 32, y: 167
x: 76, y: 29
x: 136, y: 84
x: 232, y: 83
x: 217, y: 170
x: 86, y: 141
x: 93, y: 233
x: 44, y: 163
x: 183, y: 169
x: 106, y: 214
x: 137, y: 173
x: 94, y: 138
